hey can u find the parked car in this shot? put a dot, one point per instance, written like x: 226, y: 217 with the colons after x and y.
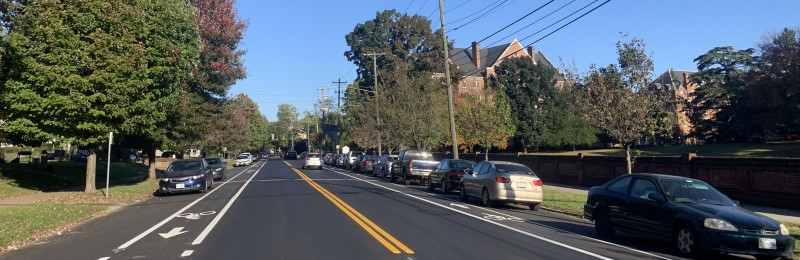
x: 341, y: 161
x: 185, y: 176
x: 290, y: 155
x: 689, y: 213
x: 448, y: 174
x: 218, y: 167
x: 312, y: 160
x: 381, y: 168
x: 413, y: 165
x: 367, y: 163
x: 242, y: 160
x: 500, y: 182
x: 351, y: 158
x: 328, y: 159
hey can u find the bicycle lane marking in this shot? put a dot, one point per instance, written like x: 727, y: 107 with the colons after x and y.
x: 175, y: 215
x: 224, y: 210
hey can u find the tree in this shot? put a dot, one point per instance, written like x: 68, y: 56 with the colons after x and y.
x: 82, y: 84
x: 220, y: 32
x: 287, y: 124
x: 615, y: 100
x: 775, y: 85
x: 719, y: 109
x: 529, y: 90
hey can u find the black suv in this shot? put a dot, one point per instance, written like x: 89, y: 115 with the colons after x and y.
x: 291, y: 155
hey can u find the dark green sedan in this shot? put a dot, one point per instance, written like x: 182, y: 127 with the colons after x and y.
x: 691, y: 214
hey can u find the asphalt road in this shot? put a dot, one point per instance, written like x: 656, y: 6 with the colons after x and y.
x: 274, y: 210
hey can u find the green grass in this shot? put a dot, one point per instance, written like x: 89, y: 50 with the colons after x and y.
x: 117, y: 194
x: 28, y: 222
x: 564, y: 201
x: 23, y: 178
x: 780, y: 149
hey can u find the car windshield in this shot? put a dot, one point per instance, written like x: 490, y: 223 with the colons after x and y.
x: 184, y: 166
x: 461, y: 165
x: 312, y: 155
x: 513, y: 168
x: 241, y: 157
x: 213, y: 161
x: 692, y: 191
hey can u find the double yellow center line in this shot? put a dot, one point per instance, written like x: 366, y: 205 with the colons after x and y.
x: 377, y: 232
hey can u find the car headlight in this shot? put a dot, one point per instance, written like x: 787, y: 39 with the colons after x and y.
x: 784, y: 230
x: 198, y: 176
x: 719, y: 224
x: 166, y: 179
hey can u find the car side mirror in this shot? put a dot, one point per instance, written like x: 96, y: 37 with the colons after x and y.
x: 468, y: 171
x: 160, y: 174
x: 736, y: 202
x: 657, y: 197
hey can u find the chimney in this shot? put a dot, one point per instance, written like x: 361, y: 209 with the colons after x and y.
x: 476, y: 54
x: 532, y: 52
x: 686, y: 78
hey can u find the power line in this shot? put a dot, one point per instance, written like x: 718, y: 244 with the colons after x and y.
x: 420, y: 8
x: 409, y: 5
x: 454, y: 8
x: 479, y: 11
x: 520, y: 19
x: 534, y: 22
x: 562, y: 19
x: 491, y: 11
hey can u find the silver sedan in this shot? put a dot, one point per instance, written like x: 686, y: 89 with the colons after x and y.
x: 500, y: 182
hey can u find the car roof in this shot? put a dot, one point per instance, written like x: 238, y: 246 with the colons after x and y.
x: 505, y: 162
x: 663, y: 176
x: 189, y: 160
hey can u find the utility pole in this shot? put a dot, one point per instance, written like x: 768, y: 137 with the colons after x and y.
x: 377, y: 106
x: 324, y: 107
x: 447, y: 80
x: 339, y: 112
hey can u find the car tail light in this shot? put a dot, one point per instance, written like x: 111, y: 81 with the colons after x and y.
x: 502, y: 179
x: 456, y: 174
x: 538, y: 183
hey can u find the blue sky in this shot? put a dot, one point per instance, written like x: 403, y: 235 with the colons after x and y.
x: 296, y: 47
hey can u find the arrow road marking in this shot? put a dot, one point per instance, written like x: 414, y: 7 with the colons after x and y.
x: 459, y: 205
x: 174, y: 232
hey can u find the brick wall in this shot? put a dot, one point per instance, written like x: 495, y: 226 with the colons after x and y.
x: 761, y: 181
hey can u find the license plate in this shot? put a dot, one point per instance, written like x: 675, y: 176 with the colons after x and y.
x: 180, y: 186
x: 767, y: 243
x: 522, y: 185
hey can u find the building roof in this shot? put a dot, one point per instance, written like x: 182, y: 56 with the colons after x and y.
x: 670, y: 79
x: 463, y: 59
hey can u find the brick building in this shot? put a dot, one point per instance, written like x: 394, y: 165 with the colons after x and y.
x: 478, y: 65
x: 678, y: 86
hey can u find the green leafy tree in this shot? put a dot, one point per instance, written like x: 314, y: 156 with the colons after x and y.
x: 528, y: 88
x: 615, y: 100
x: 720, y: 110
x: 775, y: 87
x: 81, y: 84
x: 484, y: 122
x: 287, y: 124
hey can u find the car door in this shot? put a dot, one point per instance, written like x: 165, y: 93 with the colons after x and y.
x: 469, y: 180
x: 435, y: 175
x: 614, y: 197
x: 485, y: 178
x: 645, y: 214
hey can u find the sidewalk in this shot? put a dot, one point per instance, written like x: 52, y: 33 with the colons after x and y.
x: 783, y: 215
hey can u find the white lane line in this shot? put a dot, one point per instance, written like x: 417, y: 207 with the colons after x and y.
x: 104, y: 258
x: 153, y: 228
x: 224, y: 210
x: 532, y: 222
x: 187, y: 253
x: 489, y: 221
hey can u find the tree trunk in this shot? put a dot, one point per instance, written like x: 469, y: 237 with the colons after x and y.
x: 486, y: 156
x: 628, y: 158
x: 91, y: 171
x: 151, y: 162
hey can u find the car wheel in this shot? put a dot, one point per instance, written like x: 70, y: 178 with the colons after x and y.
x: 430, y: 185
x: 406, y: 181
x: 392, y: 178
x: 602, y: 223
x: 535, y: 207
x: 212, y: 183
x: 444, y: 187
x: 462, y: 193
x: 486, y: 201
x: 205, y: 187
x: 686, y: 241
